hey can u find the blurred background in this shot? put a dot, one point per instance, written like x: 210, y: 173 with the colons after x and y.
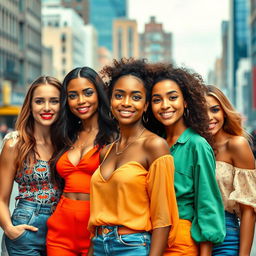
x: 217, y: 39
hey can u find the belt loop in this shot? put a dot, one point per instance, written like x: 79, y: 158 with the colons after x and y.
x: 96, y: 231
x: 116, y: 231
x: 16, y: 202
x: 38, y: 206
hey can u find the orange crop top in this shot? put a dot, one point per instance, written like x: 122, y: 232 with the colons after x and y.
x: 77, y: 178
x: 134, y: 197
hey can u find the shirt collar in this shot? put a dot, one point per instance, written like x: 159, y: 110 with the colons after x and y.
x: 185, y: 136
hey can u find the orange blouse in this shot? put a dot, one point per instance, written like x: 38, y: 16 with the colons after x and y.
x: 77, y: 177
x: 137, y: 198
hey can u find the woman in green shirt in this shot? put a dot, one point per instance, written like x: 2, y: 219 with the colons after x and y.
x: 179, y: 113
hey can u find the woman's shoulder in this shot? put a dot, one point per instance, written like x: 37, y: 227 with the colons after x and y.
x: 10, y: 139
x: 237, y: 143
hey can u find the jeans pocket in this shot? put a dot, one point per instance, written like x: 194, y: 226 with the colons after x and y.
x: 137, y: 239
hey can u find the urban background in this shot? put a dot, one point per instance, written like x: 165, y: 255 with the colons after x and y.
x: 52, y: 37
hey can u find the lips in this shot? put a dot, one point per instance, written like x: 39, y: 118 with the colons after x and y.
x: 83, y: 110
x: 212, y: 126
x: 46, y: 116
x: 167, y: 115
x: 126, y: 113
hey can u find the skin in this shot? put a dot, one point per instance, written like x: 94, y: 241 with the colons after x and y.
x: 236, y: 151
x: 128, y: 103
x: 83, y: 102
x: 168, y: 106
x: 45, y: 108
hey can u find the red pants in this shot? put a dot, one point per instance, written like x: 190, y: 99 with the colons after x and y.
x: 183, y: 244
x: 67, y: 228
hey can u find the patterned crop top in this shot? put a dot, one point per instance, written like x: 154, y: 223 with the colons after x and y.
x: 34, y: 182
x: 78, y: 177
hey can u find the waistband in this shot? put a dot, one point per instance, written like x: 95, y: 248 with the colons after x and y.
x: 116, y: 230
x: 75, y: 205
x: 38, y: 207
x: 230, y: 215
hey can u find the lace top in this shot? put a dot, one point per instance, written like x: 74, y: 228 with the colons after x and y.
x: 34, y: 182
x: 236, y: 185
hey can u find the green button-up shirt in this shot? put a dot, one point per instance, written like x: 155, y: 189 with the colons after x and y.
x: 198, y: 196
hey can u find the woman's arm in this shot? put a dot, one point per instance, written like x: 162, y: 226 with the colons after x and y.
x: 159, y: 241
x: 205, y: 249
x: 7, y: 175
x: 242, y: 157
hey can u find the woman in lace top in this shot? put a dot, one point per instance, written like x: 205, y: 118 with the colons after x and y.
x: 235, y: 171
x: 25, y: 159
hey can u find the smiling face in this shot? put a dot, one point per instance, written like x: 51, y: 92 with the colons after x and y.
x: 128, y: 100
x: 168, y: 103
x: 216, y: 115
x: 82, y: 98
x: 45, y: 104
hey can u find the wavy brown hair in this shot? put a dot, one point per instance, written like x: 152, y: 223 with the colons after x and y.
x: 193, y: 90
x: 25, y: 125
x: 232, y: 120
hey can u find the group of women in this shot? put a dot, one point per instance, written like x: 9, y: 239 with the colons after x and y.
x: 151, y: 162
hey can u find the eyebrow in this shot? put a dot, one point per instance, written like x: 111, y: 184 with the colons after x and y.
x: 89, y: 88
x: 170, y: 92
x: 215, y: 106
x: 41, y: 98
x: 119, y: 90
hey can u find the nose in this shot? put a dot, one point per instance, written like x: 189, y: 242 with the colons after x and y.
x: 47, y: 106
x: 210, y: 116
x: 81, y: 99
x: 165, y: 104
x: 126, y: 101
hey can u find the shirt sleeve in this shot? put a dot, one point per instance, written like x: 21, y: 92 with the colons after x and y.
x: 209, y: 219
x: 244, y: 185
x: 163, y: 205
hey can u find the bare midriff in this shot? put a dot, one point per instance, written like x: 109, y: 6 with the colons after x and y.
x: 77, y: 196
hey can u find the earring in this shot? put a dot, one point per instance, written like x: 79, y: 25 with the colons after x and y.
x: 186, y: 113
x: 111, y: 115
x: 144, y: 118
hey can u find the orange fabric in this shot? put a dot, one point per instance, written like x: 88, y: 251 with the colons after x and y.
x: 77, y: 178
x: 136, y: 198
x: 67, y: 232
x: 183, y: 244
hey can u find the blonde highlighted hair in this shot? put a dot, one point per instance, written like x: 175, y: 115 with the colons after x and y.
x: 233, y: 120
x: 26, y: 144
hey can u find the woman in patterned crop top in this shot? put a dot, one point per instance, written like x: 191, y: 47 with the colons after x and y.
x: 133, y: 204
x: 235, y: 172
x: 25, y: 158
x: 85, y: 127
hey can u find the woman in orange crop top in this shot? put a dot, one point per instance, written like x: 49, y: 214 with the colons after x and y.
x: 85, y: 127
x: 133, y: 203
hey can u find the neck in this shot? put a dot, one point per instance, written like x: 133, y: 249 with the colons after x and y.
x: 220, y: 136
x: 90, y: 124
x: 130, y: 131
x: 174, y: 131
x: 42, y: 134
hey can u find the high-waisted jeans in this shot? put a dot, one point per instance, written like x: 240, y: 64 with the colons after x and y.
x: 110, y: 244
x: 29, y: 243
x: 230, y: 246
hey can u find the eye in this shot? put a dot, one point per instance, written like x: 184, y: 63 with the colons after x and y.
x: 215, y: 110
x: 156, y: 100
x: 55, y: 101
x: 118, y: 96
x: 72, y: 96
x: 88, y: 92
x: 39, y: 101
x: 173, y: 97
x: 136, y: 97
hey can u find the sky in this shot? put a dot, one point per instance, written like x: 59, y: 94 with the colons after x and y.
x: 195, y: 24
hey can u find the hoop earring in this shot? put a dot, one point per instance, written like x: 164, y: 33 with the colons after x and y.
x: 144, y: 118
x: 110, y: 115
x: 186, y: 113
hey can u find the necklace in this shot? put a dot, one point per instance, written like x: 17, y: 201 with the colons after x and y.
x: 79, y: 146
x: 128, y: 144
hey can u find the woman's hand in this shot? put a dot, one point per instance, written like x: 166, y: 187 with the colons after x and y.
x: 13, y: 232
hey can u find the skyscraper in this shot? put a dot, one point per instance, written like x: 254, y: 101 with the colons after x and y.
x: 101, y: 16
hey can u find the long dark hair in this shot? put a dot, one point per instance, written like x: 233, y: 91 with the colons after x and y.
x: 25, y: 125
x: 70, y: 125
x: 193, y: 90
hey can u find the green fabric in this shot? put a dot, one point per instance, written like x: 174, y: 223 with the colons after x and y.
x: 198, y: 196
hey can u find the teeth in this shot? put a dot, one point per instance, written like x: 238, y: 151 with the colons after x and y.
x: 82, y: 109
x: 167, y: 114
x: 211, y: 126
x: 126, y: 112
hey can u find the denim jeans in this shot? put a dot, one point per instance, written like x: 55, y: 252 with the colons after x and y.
x: 29, y: 243
x: 230, y: 246
x: 110, y: 244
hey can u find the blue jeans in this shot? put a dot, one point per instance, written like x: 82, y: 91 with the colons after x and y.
x: 121, y: 245
x: 230, y: 246
x: 29, y: 243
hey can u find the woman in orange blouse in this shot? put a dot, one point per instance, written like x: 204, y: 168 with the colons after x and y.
x: 133, y: 204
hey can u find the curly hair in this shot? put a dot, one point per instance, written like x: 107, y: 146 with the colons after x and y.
x: 25, y: 125
x: 193, y: 90
x: 233, y: 120
x: 125, y: 67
